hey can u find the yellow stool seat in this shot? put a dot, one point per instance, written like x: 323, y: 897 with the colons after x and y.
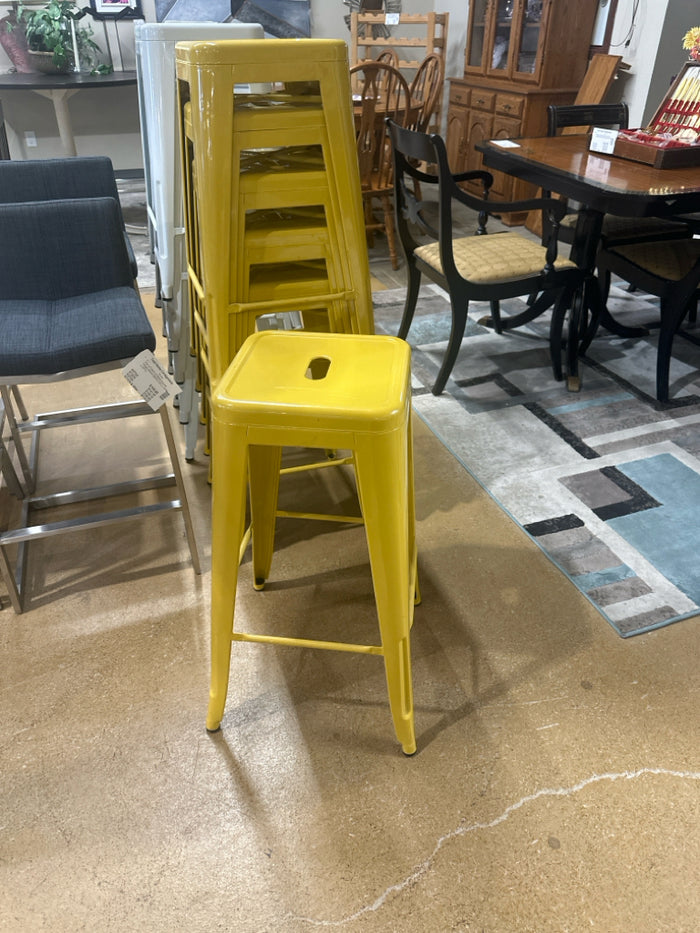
x: 333, y: 391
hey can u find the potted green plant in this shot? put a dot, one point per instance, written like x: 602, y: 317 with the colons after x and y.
x: 55, y: 36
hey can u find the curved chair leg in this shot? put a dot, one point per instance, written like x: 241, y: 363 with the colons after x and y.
x: 663, y: 364
x: 459, y: 322
x: 556, y: 328
x: 542, y: 303
x: 604, y: 278
x: 413, y: 285
x: 595, y: 304
x: 673, y: 310
x: 576, y: 317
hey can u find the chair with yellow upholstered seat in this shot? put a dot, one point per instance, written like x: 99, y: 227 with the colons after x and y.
x: 484, y: 267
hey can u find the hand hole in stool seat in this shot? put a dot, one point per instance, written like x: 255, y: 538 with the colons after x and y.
x: 318, y: 368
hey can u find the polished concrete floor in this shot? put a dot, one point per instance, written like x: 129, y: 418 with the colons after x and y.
x: 556, y: 785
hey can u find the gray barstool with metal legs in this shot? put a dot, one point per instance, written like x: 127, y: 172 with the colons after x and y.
x: 68, y: 308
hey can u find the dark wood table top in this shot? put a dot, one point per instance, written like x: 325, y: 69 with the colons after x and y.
x: 564, y: 165
x: 77, y: 80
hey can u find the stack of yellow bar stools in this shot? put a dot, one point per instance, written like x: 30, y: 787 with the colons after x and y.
x: 347, y: 392
x: 272, y: 190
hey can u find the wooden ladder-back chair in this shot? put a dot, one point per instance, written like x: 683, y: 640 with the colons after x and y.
x: 475, y: 268
x: 426, y: 90
x: 388, y: 57
x: 382, y: 93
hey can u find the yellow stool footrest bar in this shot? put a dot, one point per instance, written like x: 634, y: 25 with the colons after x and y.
x: 308, y: 643
x: 320, y: 517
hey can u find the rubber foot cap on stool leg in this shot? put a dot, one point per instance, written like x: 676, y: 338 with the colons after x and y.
x: 259, y: 583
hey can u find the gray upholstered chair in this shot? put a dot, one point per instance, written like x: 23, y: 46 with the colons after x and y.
x: 69, y: 307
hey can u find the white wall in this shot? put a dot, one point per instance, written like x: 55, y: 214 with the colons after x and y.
x: 106, y: 120
x: 653, y: 51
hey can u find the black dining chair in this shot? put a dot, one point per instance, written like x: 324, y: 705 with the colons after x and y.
x: 483, y: 267
x: 669, y: 269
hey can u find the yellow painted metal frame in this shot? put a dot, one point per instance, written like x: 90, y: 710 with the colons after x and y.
x: 360, y: 403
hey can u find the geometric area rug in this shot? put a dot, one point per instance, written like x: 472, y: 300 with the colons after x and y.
x: 606, y: 480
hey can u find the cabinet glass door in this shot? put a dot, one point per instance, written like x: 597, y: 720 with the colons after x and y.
x: 529, y: 39
x: 477, y: 35
x: 502, y: 37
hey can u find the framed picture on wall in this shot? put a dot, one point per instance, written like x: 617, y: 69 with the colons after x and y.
x: 604, y: 22
x: 116, y: 9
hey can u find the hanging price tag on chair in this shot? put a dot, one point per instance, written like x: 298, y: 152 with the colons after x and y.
x: 151, y: 381
x: 391, y: 19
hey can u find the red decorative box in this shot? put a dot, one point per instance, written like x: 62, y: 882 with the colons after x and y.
x: 672, y: 138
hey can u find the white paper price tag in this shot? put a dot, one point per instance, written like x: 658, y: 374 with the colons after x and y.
x: 391, y: 19
x: 150, y: 380
x: 603, y: 140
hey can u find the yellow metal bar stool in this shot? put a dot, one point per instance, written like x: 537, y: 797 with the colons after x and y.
x: 340, y: 391
x: 284, y: 156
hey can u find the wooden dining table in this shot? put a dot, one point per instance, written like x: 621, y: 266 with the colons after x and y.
x: 603, y: 184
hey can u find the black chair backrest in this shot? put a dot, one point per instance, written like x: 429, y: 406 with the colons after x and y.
x: 412, y: 150
x: 585, y: 115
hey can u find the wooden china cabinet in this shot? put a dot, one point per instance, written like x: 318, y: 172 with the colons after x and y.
x: 521, y: 56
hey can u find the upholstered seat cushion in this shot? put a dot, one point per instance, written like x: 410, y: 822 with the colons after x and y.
x: 498, y: 257
x: 671, y: 261
x: 43, y: 337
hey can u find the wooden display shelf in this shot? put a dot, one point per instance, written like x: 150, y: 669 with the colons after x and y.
x: 431, y: 37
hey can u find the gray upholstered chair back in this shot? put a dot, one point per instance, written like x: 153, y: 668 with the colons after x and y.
x: 58, y: 249
x: 56, y: 179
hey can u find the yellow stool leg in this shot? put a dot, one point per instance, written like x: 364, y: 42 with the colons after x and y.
x: 382, y: 471
x: 264, y: 486
x: 230, y: 469
x: 412, y: 518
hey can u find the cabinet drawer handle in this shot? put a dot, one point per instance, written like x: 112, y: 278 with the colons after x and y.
x: 507, y: 107
x: 480, y: 100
